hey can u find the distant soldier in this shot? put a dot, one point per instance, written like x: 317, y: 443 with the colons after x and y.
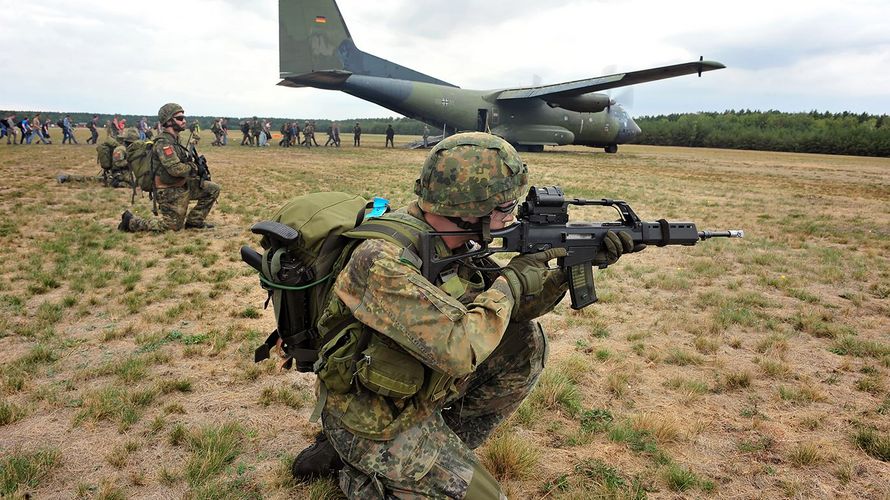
x: 357, y: 135
x: 285, y: 135
x: 312, y: 136
x: 224, y: 130
x: 176, y: 182
x: 307, y: 134
x: 295, y: 134
x: 93, y: 126
x: 216, y: 128
x: 390, y: 135
x: 245, y: 129
x: 330, y: 136
x: 335, y: 130
x: 426, y: 136
x: 194, y: 133
x: 109, y: 129
x: 255, y: 128
x: 113, y: 157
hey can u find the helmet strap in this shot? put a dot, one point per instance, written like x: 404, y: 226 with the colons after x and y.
x: 482, y: 226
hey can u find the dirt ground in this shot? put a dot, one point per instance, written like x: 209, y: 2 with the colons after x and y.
x: 752, y: 368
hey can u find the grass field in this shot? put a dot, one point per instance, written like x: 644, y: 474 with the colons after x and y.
x: 754, y: 368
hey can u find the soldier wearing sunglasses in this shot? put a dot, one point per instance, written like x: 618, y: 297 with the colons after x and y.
x: 175, y: 183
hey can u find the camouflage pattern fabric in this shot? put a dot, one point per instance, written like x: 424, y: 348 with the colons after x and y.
x: 433, y: 458
x: 174, y: 159
x: 415, y: 448
x: 173, y: 206
x: 467, y: 175
x: 119, y: 179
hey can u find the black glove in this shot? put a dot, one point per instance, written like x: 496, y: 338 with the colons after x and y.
x: 614, y: 246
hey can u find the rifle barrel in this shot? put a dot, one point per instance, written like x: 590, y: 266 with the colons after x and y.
x: 731, y: 233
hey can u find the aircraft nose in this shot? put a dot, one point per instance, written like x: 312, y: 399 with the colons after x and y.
x: 628, y: 132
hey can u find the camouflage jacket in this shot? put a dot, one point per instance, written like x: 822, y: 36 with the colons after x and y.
x: 119, y: 158
x: 174, y: 159
x: 450, y: 332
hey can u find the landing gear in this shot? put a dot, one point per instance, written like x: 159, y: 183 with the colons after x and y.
x: 531, y: 148
x: 611, y: 148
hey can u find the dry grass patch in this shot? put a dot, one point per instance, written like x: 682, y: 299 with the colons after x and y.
x: 508, y: 455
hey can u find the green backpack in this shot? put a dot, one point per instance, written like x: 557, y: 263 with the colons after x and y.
x: 105, y: 150
x: 139, y: 158
x: 305, y: 246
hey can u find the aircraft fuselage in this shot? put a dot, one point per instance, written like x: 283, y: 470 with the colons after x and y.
x: 529, y: 122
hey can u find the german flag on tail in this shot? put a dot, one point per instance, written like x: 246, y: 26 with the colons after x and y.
x: 321, y: 19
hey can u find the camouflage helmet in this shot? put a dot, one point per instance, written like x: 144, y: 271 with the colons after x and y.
x: 167, y: 111
x: 468, y: 174
x: 130, y: 135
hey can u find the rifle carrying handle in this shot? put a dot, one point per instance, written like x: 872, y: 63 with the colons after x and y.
x: 581, y: 286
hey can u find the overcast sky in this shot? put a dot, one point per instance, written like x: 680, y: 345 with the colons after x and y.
x: 220, y: 57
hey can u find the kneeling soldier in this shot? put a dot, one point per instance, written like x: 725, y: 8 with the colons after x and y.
x: 176, y: 181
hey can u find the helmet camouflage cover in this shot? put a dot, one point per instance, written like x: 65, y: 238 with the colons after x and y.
x: 167, y: 111
x: 130, y: 134
x: 468, y: 174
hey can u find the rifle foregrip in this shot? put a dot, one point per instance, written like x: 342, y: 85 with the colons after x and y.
x: 581, y: 286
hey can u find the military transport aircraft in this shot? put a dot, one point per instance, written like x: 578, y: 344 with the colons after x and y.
x: 316, y: 50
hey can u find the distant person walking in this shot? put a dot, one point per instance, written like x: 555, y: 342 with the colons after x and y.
x: 357, y: 135
x: 11, y: 132
x: 390, y: 136
x: 67, y: 128
x: 426, y: 136
x: 142, y: 128
x: 93, y: 126
x: 335, y: 129
x: 37, y: 128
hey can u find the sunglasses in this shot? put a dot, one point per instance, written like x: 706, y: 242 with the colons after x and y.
x: 507, y: 209
x: 180, y: 118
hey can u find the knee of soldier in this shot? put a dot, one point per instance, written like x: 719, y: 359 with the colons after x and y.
x: 212, y: 189
x: 483, y: 486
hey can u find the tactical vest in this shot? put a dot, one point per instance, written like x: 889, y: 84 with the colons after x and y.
x: 370, y: 382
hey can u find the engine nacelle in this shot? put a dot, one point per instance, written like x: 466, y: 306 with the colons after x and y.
x: 593, y: 102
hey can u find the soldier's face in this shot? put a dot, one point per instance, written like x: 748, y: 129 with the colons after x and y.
x: 178, y: 122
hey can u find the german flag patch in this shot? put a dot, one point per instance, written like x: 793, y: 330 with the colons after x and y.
x: 118, y: 155
x: 168, y: 151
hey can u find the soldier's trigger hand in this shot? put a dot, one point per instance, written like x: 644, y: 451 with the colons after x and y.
x: 614, y: 246
x: 526, y: 273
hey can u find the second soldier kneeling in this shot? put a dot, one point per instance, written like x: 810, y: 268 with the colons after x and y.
x: 176, y: 182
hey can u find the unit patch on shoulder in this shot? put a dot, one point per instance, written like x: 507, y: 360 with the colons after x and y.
x: 118, y: 155
x: 168, y: 151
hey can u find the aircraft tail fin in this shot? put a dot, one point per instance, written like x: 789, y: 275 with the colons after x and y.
x: 315, y: 48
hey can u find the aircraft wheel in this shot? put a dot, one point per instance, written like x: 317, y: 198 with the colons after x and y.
x: 611, y: 148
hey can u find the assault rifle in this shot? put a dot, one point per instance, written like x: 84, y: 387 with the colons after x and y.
x: 543, y: 223
x: 200, y: 161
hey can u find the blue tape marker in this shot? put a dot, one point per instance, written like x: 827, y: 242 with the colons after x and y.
x: 379, y: 208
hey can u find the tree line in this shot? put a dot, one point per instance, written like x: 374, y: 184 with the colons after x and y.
x: 814, y: 132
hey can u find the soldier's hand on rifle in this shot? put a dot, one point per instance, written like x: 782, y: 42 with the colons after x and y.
x: 526, y: 274
x: 614, y: 246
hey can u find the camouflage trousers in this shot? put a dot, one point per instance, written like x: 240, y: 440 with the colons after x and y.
x: 173, y: 207
x: 116, y: 180
x: 434, y: 457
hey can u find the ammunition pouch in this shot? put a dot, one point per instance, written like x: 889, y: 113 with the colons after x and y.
x: 389, y: 370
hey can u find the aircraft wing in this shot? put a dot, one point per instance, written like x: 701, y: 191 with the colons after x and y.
x: 599, y: 83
